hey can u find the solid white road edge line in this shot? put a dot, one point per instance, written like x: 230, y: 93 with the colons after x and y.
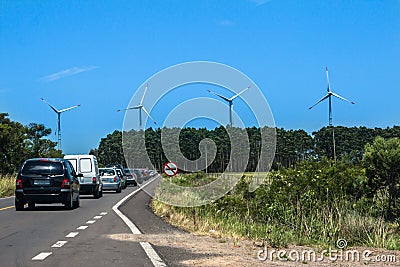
x: 41, y: 256
x: 151, y: 253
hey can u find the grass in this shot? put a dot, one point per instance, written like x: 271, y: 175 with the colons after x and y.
x: 278, y: 219
x: 7, y: 185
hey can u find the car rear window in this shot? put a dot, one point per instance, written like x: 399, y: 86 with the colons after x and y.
x: 107, y: 172
x: 85, y: 165
x: 73, y: 162
x: 43, y: 168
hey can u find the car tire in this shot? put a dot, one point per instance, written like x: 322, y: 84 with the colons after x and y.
x: 96, y: 194
x: 77, y: 202
x: 134, y: 183
x: 118, y: 190
x: 69, y: 204
x: 19, y: 205
x: 31, y: 205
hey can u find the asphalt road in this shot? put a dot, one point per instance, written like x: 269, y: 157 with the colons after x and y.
x: 37, y: 237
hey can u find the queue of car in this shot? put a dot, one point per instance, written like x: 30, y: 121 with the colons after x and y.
x: 63, y: 180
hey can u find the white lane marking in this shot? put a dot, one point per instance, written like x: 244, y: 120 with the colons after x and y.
x: 41, y: 256
x: 6, y: 197
x: 103, y: 213
x: 72, y: 234
x: 91, y: 222
x: 97, y: 217
x: 59, y: 244
x: 83, y: 227
x: 151, y: 253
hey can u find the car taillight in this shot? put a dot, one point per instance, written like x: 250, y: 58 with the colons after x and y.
x: 94, y: 180
x: 18, y: 184
x: 65, y: 184
x: 115, y: 179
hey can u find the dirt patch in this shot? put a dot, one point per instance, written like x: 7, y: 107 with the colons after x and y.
x: 212, y: 251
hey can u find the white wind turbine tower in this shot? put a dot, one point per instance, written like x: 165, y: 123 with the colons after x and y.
x: 230, y: 102
x: 329, y: 96
x: 140, y: 107
x: 58, y: 120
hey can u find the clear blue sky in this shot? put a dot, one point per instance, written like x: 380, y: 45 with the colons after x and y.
x: 98, y: 53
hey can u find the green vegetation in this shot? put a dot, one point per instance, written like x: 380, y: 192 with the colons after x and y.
x: 19, y: 142
x: 7, y: 185
x: 315, y: 202
x: 292, y: 146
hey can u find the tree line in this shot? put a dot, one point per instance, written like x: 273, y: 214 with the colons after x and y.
x: 292, y: 146
x: 19, y: 142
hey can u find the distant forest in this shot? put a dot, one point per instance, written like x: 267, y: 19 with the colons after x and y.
x: 292, y: 146
x: 19, y: 142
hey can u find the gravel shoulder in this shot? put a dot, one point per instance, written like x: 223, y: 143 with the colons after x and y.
x: 179, y: 248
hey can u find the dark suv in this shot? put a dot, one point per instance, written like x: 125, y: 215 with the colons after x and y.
x: 45, y: 181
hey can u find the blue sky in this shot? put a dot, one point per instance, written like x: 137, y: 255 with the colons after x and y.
x: 99, y: 53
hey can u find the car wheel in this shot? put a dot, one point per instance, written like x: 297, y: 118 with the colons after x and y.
x: 96, y: 194
x: 118, y: 190
x: 134, y: 183
x: 19, y: 205
x: 101, y: 192
x: 31, y: 205
x: 77, y: 203
x: 69, y: 203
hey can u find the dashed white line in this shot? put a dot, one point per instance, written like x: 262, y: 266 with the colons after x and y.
x: 41, y: 256
x: 97, y: 217
x: 91, y: 222
x: 72, y: 234
x: 103, y: 213
x: 83, y: 227
x: 151, y: 253
x: 59, y: 244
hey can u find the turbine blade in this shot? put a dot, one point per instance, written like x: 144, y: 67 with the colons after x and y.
x: 145, y: 111
x: 145, y: 90
x: 245, y: 89
x: 322, y: 99
x: 341, y: 97
x: 221, y: 96
x: 66, y: 109
x: 136, y: 107
x: 53, y: 108
x: 327, y: 79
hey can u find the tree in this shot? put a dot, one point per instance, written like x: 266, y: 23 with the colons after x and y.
x: 382, y: 163
x: 12, y: 150
x: 37, y: 145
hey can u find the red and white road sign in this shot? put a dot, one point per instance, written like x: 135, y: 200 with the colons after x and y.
x: 170, y: 168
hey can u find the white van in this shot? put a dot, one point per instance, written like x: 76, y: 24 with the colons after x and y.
x: 86, y: 165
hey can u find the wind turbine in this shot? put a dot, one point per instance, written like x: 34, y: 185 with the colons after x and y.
x: 59, y: 119
x: 329, y: 96
x: 140, y: 107
x: 230, y: 102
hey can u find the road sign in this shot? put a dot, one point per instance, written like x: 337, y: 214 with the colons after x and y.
x: 170, y: 168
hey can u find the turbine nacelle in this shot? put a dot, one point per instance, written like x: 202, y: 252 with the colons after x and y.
x: 140, y: 107
x: 230, y: 101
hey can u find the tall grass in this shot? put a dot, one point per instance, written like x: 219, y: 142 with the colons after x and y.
x: 7, y: 185
x: 307, y: 206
